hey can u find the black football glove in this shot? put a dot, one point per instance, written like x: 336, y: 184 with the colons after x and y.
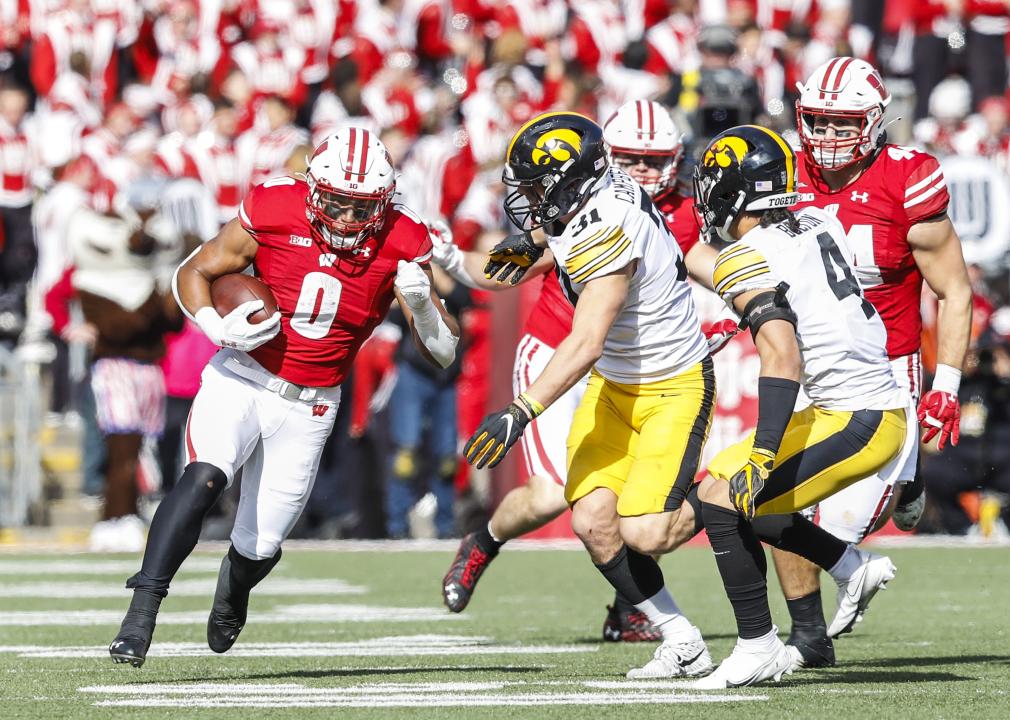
x: 748, y: 482
x: 497, y: 433
x: 511, y: 258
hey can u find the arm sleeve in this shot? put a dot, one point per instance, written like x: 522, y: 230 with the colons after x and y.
x: 601, y: 249
x: 740, y: 268
x: 925, y: 192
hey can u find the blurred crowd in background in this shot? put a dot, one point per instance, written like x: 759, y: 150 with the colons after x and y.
x: 130, y: 130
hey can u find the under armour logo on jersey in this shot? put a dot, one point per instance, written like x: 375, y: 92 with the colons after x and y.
x: 319, y: 410
x: 862, y: 197
x: 364, y: 251
x: 327, y: 259
x: 300, y: 241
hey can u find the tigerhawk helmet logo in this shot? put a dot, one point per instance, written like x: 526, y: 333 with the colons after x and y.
x: 560, y: 144
x: 725, y: 152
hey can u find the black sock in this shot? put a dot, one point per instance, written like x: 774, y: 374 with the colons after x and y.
x: 487, y: 543
x: 175, y: 528
x: 635, y: 576
x: 742, y: 565
x: 140, y: 618
x: 622, y: 604
x: 910, y: 492
x: 807, y: 611
x: 694, y: 501
x: 798, y: 535
x: 246, y: 573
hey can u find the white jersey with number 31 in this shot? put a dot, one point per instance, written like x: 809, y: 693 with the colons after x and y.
x: 656, y: 335
x: 841, y: 338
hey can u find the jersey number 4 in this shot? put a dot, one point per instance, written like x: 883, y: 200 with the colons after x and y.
x: 317, y: 305
x: 845, y: 285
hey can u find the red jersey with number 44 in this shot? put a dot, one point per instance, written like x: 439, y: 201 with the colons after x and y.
x: 329, y: 300
x: 901, y: 187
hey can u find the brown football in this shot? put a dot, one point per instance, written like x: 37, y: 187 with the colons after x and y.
x: 230, y: 291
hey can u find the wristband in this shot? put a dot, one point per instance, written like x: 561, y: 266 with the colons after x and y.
x: 533, y: 407
x: 947, y: 379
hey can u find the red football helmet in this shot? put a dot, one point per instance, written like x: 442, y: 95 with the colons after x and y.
x: 351, y: 180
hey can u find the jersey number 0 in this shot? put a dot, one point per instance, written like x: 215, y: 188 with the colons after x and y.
x: 317, y: 305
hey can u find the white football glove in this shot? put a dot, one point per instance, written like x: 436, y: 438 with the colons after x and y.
x: 413, y: 284
x: 234, y: 329
x: 443, y: 249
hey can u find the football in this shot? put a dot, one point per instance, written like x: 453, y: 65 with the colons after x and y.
x: 230, y: 291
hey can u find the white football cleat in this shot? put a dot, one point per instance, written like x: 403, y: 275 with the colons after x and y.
x: 854, y: 595
x: 746, y: 666
x: 685, y: 656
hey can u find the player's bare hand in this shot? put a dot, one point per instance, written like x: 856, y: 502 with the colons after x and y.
x: 234, y: 329
x: 412, y: 282
x: 511, y: 258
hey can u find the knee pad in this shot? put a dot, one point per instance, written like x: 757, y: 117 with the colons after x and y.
x: 404, y: 464
x: 202, y: 485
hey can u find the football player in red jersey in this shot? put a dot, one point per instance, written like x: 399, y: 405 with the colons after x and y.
x: 642, y: 139
x: 334, y: 250
x: 892, y: 201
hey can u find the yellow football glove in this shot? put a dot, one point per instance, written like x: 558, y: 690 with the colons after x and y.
x: 748, y: 482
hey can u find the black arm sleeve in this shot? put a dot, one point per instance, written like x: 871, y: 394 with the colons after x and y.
x: 776, y: 399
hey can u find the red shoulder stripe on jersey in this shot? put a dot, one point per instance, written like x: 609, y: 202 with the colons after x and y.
x: 350, y: 154
x: 364, y: 155
x: 638, y: 108
x: 652, y: 122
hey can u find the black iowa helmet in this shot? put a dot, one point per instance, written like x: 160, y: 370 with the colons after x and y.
x: 552, y: 163
x: 746, y: 168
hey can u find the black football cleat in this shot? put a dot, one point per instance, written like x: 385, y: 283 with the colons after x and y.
x: 811, y: 648
x: 470, y: 563
x: 235, y: 580
x: 629, y: 626
x: 129, y: 649
x: 229, y: 611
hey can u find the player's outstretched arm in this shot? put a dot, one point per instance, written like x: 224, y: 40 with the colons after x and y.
x: 599, y: 303
x: 700, y: 262
x: 467, y: 266
x: 936, y: 249
x: 231, y: 250
x: 435, y: 331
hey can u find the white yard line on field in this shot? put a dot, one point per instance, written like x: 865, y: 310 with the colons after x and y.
x: 319, y: 614
x: 93, y: 565
x: 396, y: 646
x: 389, y: 695
x: 183, y: 588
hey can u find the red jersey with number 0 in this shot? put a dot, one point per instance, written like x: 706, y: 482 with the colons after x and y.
x: 901, y: 187
x: 550, y: 321
x: 329, y: 300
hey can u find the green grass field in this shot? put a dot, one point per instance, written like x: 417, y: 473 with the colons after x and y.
x: 335, y: 633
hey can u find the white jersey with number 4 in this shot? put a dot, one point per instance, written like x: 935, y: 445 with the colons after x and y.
x: 841, y: 338
x: 656, y: 335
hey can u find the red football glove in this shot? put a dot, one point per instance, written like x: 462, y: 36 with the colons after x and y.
x: 940, y: 412
x: 720, y: 333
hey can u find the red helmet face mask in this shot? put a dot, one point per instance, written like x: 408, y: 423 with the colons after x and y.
x: 847, y: 97
x: 351, y: 181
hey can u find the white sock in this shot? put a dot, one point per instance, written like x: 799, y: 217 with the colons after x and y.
x: 662, y: 611
x: 759, y: 644
x: 846, y: 565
